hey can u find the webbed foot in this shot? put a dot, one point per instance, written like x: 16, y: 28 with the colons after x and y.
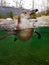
x: 15, y: 39
x: 38, y: 34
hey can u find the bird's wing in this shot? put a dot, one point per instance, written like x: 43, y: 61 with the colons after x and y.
x: 8, y: 24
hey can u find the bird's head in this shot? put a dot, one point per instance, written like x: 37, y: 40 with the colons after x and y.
x: 25, y: 15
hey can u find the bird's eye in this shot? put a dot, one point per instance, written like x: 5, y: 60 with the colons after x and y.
x: 25, y: 12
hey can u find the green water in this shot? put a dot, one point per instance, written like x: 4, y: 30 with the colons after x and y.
x: 32, y: 52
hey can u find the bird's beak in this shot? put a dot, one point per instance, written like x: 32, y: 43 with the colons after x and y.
x: 33, y: 11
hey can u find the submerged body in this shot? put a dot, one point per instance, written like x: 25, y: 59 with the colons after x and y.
x: 25, y: 34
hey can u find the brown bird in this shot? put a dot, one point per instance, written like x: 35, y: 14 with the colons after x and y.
x: 20, y: 27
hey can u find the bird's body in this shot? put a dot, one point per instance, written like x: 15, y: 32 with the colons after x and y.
x: 23, y: 27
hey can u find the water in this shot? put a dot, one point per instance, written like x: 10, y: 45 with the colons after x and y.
x: 32, y: 52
